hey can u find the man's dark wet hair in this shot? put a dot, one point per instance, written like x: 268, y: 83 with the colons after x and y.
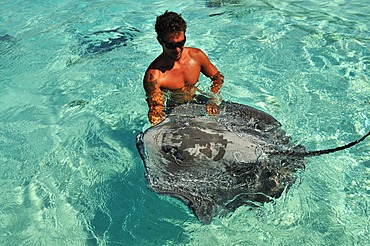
x: 169, y: 22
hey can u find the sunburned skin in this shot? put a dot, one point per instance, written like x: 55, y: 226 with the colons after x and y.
x: 180, y: 77
x: 171, y: 79
x: 158, y: 100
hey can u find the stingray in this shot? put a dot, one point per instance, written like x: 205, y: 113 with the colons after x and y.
x: 107, y: 40
x: 214, y: 164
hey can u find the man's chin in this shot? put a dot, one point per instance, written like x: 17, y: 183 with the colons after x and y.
x: 176, y: 57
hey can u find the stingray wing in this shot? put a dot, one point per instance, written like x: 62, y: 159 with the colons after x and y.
x: 214, y: 163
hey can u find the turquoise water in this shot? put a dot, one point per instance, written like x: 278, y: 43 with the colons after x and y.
x: 72, y: 102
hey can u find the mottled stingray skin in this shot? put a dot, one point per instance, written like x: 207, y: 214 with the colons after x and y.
x: 219, y: 163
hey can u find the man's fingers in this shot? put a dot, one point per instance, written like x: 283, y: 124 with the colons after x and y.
x: 212, y: 109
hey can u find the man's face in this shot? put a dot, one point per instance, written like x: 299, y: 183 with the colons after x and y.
x: 173, y: 44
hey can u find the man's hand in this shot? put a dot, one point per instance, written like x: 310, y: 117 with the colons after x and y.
x: 212, y: 109
x: 156, y: 117
x: 215, y: 100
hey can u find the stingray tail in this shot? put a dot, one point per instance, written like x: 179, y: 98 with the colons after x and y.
x: 327, y: 151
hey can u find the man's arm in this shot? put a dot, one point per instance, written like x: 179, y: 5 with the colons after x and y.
x: 215, y: 100
x: 154, y: 98
x: 217, y: 81
x: 209, y: 70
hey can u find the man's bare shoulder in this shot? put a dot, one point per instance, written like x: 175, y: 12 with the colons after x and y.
x: 194, y: 51
x: 197, y: 54
x: 150, y: 75
x: 152, y: 71
x: 151, y: 78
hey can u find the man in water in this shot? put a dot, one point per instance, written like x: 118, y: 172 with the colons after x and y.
x: 175, y: 72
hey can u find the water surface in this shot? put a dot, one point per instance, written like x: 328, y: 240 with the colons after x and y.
x: 72, y: 102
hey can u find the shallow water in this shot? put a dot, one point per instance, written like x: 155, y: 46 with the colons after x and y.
x: 72, y: 103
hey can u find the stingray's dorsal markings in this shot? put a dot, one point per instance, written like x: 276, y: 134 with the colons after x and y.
x: 293, y: 152
x: 256, y: 164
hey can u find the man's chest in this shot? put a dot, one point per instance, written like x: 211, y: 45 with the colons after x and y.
x: 178, y: 78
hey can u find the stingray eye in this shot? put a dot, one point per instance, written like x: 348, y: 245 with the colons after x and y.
x: 172, y: 150
x: 167, y: 148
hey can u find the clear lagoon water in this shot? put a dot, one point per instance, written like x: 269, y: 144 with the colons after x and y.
x: 72, y: 102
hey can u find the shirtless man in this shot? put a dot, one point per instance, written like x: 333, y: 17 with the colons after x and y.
x: 175, y: 72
